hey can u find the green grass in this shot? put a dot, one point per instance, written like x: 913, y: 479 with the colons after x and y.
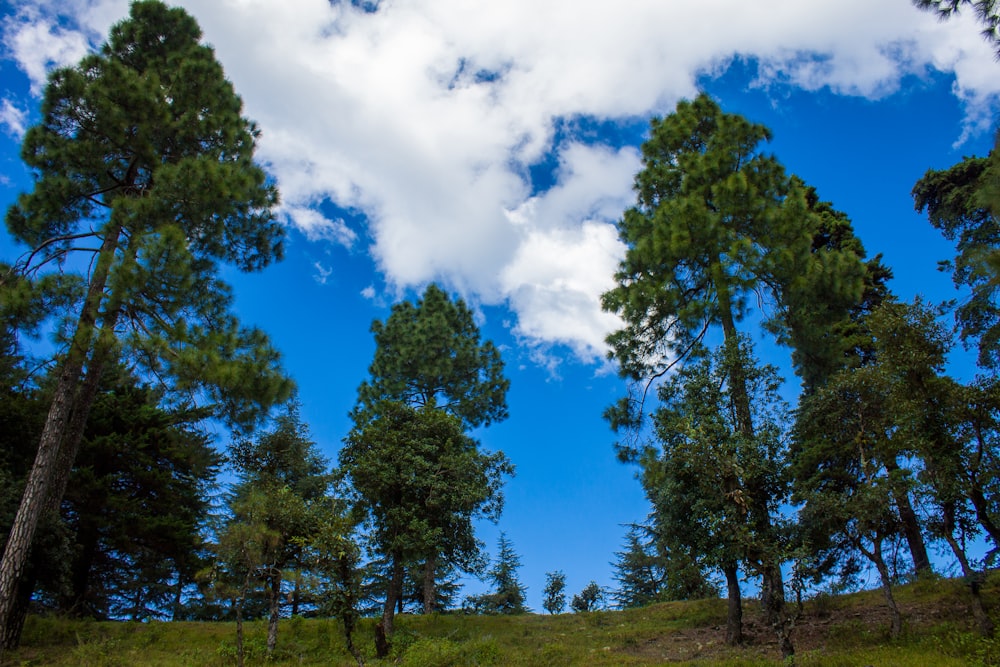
x: 843, y: 631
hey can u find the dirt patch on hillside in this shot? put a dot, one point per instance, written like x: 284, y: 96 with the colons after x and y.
x: 818, y: 627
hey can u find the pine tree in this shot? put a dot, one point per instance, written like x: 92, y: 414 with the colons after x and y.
x: 717, y: 226
x: 420, y: 481
x: 429, y: 358
x: 143, y: 162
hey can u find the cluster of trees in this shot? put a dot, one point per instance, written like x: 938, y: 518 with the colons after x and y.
x: 884, y: 452
x: 144, y: 187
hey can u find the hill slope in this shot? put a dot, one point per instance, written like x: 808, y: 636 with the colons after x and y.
x: 832, y: 631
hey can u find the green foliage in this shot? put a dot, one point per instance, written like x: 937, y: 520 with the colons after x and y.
x: 429, y: 354
x: 591, y: 598
x: 283, y: 520
x: 417, y: 476
x: 649, y: 571
x: 169, y: 181
x: 421, y: 481
x: 136, y: 502
x: 554, y: 593
x: 715, y: 222
x: 701, y: 479
x: 958, y: 203
x: 508, y: 593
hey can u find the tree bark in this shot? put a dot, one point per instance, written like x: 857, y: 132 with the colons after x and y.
x: 384, y: 629
x: 734, y: 617
x: 883, y: 572
x: 911, y: 526
x: 36, y: 492
x: 275, y: 600
x: 772, y: 585
x: 430, y: 573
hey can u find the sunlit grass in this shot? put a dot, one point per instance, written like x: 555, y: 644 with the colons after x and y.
x: 845, y: 631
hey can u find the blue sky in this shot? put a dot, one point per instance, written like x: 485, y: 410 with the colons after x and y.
x: 491, y: 146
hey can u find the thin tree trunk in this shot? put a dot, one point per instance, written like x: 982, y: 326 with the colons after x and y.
x: 734, y: 617
x: 384, y: 629
x: 883, y: 572
x: 239, y: 628
x: 972, y: 577
x: 40, y: 478
x: 430, y: 574
x: 348, y: 612
x: 272, y: 621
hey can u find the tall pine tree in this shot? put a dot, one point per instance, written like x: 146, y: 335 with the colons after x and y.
x: 718, y: 226
x: 144, y: 164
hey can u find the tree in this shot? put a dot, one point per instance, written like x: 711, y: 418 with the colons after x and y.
x: 987, y: 12
x: 846, y: 474
x: 143, y: 164
x: 429, y: 355
x: 827, y: 334
x: 279, y: 507
x: 420, y: 481
x: 949, y: 428
x: 656, y: 567
x: 956, y: 203
x: 508, y: 593
x: 638, y: 571
x: 136, y: 505
x: 717, y: 226
x: 589, y: 599
x: 699, y: 471
x: 554, y: 592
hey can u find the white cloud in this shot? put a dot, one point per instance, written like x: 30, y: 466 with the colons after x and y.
x: 322, y: 273
x: 425, y: 115
x: 317, y: 226
x: 13, y: 119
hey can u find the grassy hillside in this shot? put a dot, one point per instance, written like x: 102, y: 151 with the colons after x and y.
x: 843, y: 631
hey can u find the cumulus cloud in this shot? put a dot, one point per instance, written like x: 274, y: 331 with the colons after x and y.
x: 426, y: 116
x: 13, y: 118
x: 317, y: 226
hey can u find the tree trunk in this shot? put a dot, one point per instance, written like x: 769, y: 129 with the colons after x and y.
x: 982, y: 508
x: 734, y: 618
x: 911, y: 526
x: 756, y: 510
x: 87, y: 539
x: 430, y: 590
x: 239, y: 631
x: 44, y: 469
x: 384, y: 629
x: 972, y: 577
x: 275, y: 600
x: 883, y: 572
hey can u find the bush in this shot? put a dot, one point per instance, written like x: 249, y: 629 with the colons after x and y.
x: 432, y: 653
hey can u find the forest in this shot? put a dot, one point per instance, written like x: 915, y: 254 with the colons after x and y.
x: 122, y: 357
